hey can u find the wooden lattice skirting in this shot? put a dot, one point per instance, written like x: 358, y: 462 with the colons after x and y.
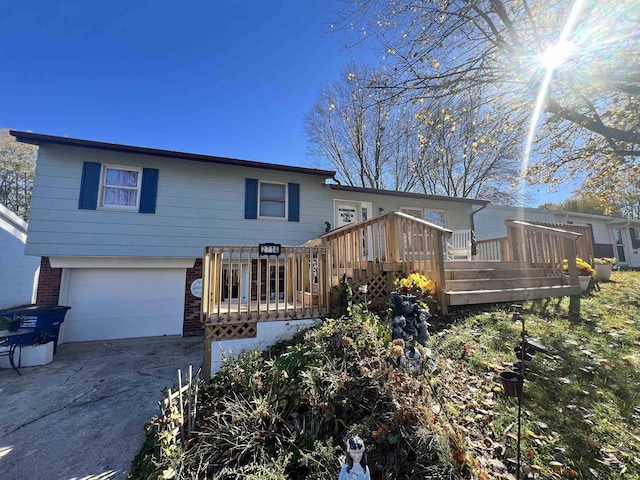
x: 379, y: 287
x: 230, y: 331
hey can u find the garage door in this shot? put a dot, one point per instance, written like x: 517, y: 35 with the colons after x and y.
x: 109, y: 303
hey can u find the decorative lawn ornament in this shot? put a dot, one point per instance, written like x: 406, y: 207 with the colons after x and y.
x: 356, y: 462
x: 409, y: 319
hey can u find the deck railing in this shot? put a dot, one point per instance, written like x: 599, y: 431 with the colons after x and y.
x: 584, y: 245
x: 240, y: 285
x: 492, y: 250
x: 392, y: 242
x: 543, y: 247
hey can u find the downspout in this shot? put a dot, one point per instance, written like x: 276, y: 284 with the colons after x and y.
x: 474, y: 246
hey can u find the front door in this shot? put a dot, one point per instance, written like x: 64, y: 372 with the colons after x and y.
x: 620, y: 247
x: 347, y: 213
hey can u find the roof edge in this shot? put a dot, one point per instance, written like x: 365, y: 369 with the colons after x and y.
x: 41, y: 139
x: 397, y: 193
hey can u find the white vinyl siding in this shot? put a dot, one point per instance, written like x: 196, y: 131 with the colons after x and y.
x: 198, y: 204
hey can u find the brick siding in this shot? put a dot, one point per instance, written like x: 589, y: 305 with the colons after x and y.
x: 191, y: 326
x: 48, y: 291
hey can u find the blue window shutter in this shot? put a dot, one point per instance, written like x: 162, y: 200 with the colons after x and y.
x: 89, y: 186
x: 251, y: 198
x: 294, y: 202
x: 149, y: 190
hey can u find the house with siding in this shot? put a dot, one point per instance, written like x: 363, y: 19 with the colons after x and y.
x: 610, y: 236
x: 120, y: 230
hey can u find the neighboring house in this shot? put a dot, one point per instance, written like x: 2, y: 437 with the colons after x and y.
x: 612, y: 236
x: 17, y: 271
x: 121, y: 230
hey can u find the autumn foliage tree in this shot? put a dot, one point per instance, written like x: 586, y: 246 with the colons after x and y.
x: 364, y: 135
x: 451, y: 147
x: 467, y: 151
x: 582, y: 56
x: 17, y: 171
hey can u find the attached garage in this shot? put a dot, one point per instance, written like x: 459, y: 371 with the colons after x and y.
x: 110, y: 303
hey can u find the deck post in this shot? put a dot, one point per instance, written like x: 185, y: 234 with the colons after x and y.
x: 391, y: 231
x: 438, y: 252
x: 206, y: 361
x: 514, y: 239
x: 574, y: 308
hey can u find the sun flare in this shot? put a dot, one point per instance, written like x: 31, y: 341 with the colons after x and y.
x: 556, y: 54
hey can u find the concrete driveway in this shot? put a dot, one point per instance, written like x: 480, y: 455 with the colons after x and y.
x: 83, y: 415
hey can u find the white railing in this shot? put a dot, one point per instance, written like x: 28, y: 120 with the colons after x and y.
x: 493, y: 250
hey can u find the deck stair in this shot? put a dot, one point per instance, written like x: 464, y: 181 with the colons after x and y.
x: 477, y: 282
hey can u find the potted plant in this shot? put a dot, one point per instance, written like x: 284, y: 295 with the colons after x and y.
x: 603, y: 267
x: 585, y: 272
x: 39, y: 353
x: 10, y: 323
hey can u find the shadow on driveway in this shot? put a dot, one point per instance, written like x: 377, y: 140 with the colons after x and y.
x: 83, y: 415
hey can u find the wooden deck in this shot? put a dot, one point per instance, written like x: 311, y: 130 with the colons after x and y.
x: 242, y: 287
x: 478, y: 282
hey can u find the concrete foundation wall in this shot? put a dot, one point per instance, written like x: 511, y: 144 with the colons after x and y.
x: 269, y: 333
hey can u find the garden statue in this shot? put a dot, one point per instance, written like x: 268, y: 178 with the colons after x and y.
x: 356, y: 463
x: 409, y: 319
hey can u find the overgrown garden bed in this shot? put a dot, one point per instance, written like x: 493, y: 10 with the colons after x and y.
x: 285, y: 414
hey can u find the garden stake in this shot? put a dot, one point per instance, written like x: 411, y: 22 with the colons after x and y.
x: 523, y: 343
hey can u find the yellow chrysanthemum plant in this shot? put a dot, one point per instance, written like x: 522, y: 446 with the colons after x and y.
x: 584, y: 268
x: 604, y: 261
x: 412, y: 308
x: 415, y: 284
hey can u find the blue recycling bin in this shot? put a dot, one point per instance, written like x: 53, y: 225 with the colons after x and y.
x: 40, y: 318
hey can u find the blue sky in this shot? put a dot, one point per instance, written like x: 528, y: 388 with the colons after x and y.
x: 230, y: 78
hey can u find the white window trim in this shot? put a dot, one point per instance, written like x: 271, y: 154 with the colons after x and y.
x: 286, y: 200
x: 132, y: 208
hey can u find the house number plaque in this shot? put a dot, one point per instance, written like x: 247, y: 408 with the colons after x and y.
x: 269, y: 248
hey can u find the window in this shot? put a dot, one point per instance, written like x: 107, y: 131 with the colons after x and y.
x: 619, y: 246
x: 414, y: 212
x: 439, y: 217
x: 276, y: 282
x: 120, y: 187
x: 635, y: 240
x: 235, y: 282
x: 273, y: 200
